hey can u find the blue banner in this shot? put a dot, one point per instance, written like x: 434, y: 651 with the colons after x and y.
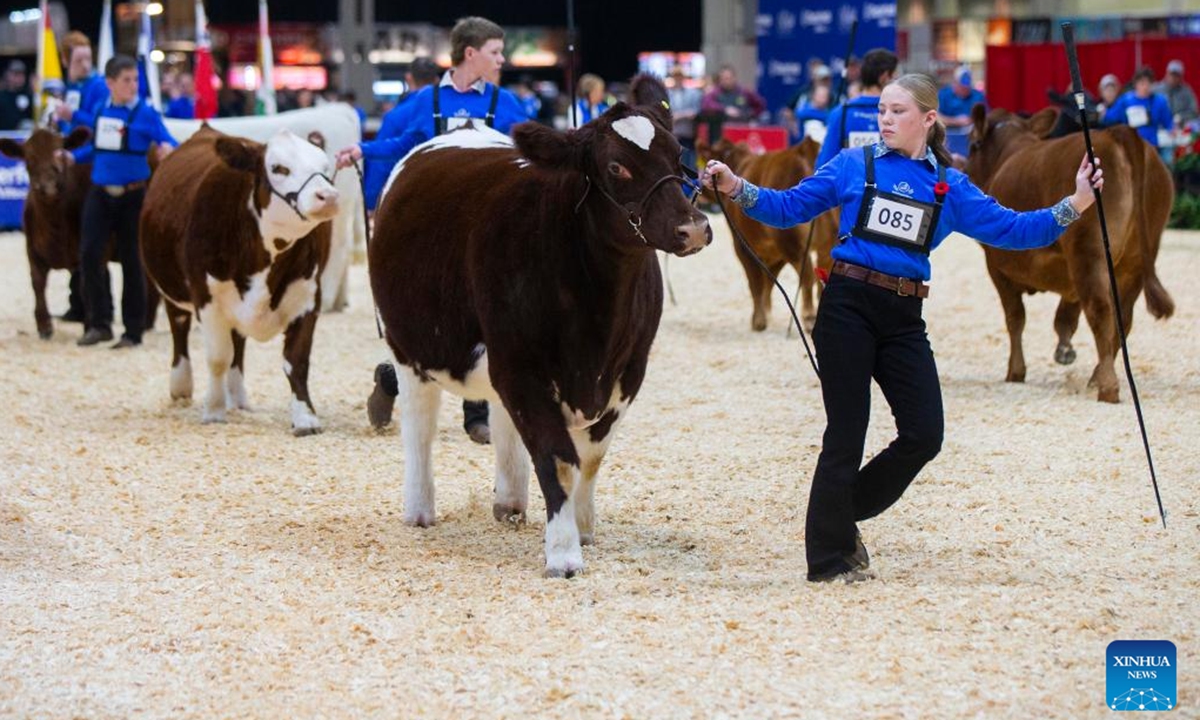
x: 14, y: 185
x: 792, y: 31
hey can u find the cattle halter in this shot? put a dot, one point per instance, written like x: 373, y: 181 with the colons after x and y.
x: 293, y: 198
x: 635, y: 211
x: 1068, y: 33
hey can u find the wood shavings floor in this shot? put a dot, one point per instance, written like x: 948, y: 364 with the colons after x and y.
x: 152, y: 566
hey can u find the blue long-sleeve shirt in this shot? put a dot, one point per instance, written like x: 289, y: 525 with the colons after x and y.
x: 862, y: 127
x: 1147, y: 114
x: 377, y: 161
x: 143, y: 129
x: 85, y: 97
x: 966, y: 209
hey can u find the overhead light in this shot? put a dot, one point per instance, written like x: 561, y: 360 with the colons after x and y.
x: 157, y: 55
x: 154, y: 8
x: 24, y: 16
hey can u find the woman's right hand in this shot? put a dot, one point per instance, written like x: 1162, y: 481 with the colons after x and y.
x: 718, y: 176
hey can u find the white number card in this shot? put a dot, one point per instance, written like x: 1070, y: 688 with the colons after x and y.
x: 72, y: 99
x: 896, y: 220
x: 861, y: 139
x: 1137, y: 116
x: 109, y: 133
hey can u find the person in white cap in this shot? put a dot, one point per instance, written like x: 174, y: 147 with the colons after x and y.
x: 1110, y: 90
x: 1179, y: 94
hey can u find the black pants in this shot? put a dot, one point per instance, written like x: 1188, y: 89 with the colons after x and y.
x: 864, y: 331
x: 474, y: 413
x: 104, y: 215
x: 76, y: 303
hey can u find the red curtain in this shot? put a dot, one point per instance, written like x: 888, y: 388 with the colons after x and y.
x: 1019, y: 75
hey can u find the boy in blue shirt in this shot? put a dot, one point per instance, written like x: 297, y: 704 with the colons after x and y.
x: 899, y: 200
x: 856, y: 123
x: 1141, y: 108
x: 125, y: 130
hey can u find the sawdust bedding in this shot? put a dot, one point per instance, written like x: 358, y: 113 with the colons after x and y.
x: 153, y: 566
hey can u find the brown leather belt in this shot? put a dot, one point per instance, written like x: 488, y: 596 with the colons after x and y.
x: 900, y: 286
x: 119, y: 190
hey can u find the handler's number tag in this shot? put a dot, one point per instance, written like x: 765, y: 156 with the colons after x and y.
x: 1137, y: 116
x: 858, y: 139
x: 109, y: 133
x: 896, y: 220
x: 72, y: 99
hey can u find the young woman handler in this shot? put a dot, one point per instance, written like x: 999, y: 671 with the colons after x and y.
x: 899, y: 200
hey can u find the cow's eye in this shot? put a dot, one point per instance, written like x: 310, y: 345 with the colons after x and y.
x: 280, y: 170
x: 615, y: 168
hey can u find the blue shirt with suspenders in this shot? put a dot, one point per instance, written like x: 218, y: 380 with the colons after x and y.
x: 1147, y: 115
x: 84, y: 97
x: 121, y: 137
x: 861, y: 127
x: 902, y: 219
x: 442, y: 107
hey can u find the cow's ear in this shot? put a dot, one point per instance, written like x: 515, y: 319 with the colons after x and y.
x: 809, y: 149
x: 78, y: 138
x: 238, y: 155
x: 979, y: 117
x: 12, y: 149
x: 649, y: 94
x: 1043, y: 121
x: 544, y: 145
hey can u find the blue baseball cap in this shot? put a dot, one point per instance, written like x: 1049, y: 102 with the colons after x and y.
x: 962, y: 76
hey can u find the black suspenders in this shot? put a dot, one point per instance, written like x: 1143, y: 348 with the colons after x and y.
x: 439, y: 122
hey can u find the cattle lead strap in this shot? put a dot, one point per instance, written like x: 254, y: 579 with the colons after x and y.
x: 1068, y: 33
x: 362, y: 184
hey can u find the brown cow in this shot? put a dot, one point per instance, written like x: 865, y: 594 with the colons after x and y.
x: 776, y: 247
x: 1011, y: 162
x: 527, y: 276
x: 237, y: 232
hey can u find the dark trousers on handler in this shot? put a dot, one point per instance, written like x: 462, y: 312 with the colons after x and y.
x: 103, y: 217
x: 864, y: 332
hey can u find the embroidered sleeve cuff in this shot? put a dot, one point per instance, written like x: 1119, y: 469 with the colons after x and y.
x: 1064, y: 212
x: 747, y: 197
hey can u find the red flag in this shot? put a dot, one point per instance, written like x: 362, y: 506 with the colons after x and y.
x: 206, y: 80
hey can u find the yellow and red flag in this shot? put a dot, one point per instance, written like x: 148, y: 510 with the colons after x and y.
x: 49, y: 68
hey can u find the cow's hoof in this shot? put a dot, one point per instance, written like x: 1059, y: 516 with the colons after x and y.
x: 1064, y: 355
x: 1109, y: 395
x: 1015, y: 377
x: 564, y: 573
x: 587, y: 538
x: 508, y: 514
x: 306, y: 431
x: 758, y: 324
x: 421, y: 519
x: 211, y: 418
x: 45, y: 334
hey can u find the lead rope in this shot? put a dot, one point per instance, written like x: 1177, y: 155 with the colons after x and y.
x: 362, y: 186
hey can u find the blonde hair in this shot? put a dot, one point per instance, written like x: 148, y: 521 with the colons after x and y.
x: 924, y: 92
x: 71, y: 41
x: 587, y: 83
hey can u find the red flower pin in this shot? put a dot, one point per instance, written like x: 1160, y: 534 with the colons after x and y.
x: 941, y: 189
x: 823, y: 274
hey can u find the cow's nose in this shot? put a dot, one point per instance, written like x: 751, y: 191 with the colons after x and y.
x: 326, y: 196
x: 693, y: 236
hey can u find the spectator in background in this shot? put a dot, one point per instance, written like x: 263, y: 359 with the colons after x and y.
x: 16, y: 101
x: 855, y: 122
x: 1141, y: 108
x: 1180, y: 97
x: 812, y: 116
x: 685, y: 105
x: 182, y: 105
x: 351, y: 98
x: 530, y: 101
x: 956, y: 100
x: 86, y: 91
x: 732, y: 101
x: 593, y: 100
x: 305, y: 99
x: 1110, y: 90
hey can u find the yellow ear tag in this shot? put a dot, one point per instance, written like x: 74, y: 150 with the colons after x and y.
x: 666, y: 105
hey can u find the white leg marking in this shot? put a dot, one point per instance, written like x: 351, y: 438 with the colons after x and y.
x: 304, y: 421
x: 590, y: 456
x: 218, y: 350
x: 419, y: 403
x: 181, y: 380
x: 564, y: 556
x: 235, y: 391
x: 512, y: 466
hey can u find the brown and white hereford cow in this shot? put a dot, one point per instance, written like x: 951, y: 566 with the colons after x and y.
x: 777, y: 247
x: 1011, y: 162
x: 527, y: 276
x: 237, y: 232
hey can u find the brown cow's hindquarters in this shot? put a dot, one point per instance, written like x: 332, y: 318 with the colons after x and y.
x: 864, y: 331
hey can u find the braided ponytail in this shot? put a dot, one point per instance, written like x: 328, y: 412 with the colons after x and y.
x: 924, y: 91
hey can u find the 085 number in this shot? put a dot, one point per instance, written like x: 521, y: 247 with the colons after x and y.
x: 895, y: 219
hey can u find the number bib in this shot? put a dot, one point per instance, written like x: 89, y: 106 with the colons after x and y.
x: 861, y: 139
x: 893, y: 219
x: 1137, y: 116
x: 72, y: 99
x: 110, y: 134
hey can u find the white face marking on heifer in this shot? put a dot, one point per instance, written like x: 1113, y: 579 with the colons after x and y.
x: 475, y: 137
x: 251, y: 313
x: 299, y: 169
x: 636, y: 129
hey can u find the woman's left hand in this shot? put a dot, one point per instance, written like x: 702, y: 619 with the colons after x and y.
x: 1085, y: 180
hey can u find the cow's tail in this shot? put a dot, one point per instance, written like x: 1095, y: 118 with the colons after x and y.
x: 1158, y: 300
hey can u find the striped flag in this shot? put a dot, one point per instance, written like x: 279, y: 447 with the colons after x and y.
x: 266, y: 59
x: 49, y: 66
x: 206, y: 88
x: 104, y: 51
x: 148, y: 87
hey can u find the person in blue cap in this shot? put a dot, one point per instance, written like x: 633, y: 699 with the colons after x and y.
x: 899, y: 200
x: 124, y: 131
x: 956, y: 100
x: 468, y: 92
x: 856, y: 123
x: 1142, y: 108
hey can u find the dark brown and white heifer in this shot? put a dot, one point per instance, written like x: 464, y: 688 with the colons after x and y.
x: 237, y: 232
x: 526, y: 276
x: 53, y: 209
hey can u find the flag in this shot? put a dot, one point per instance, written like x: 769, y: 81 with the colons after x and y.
x: 206, y: 89
x: 104, y: 51
x: 49, y: 66
x: 148, y: 89
x: 266, y: 60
